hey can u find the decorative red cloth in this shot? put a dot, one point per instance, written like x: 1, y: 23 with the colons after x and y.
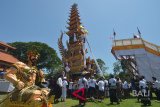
x: 78, y: 95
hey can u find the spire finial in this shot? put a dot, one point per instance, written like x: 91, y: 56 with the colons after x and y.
x: 75, y: 26
x: 74, y: 5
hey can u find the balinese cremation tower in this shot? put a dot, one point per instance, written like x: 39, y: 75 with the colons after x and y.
x: 74, y: 57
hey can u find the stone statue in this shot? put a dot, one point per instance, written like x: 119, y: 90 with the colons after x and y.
x: 23, y: 77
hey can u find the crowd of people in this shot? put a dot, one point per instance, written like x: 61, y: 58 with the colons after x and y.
x: 114, y: 88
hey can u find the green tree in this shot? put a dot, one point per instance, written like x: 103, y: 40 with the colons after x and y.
x: 102, y: 65
x: 124, y: 75
x: 117, y: 68
x: 120, y: 70
x: 48, y: 57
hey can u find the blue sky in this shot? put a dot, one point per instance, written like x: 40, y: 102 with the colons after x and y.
x: 42, y: 20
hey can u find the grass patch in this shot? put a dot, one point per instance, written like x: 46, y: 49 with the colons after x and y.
x: 106, y: 103
x: 132, y: 102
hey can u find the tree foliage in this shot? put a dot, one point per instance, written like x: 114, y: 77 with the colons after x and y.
x: 124, y: 75
x: 102, y: 65
x: 117, y: 68
x: 48, y: 56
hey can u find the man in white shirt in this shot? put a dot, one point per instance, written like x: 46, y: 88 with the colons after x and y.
x: 101, y: 88
x: 75, y: 85
x: 58, y: 89
x: 143, y: 78
x: 144, y: 93
x: 106, y: 88
x: 92, y: 84
x: 59, y: 81
x: 82, y: 83
x: 119, y: 89
x: 125, y: 85
x: 156, y: 86
x: 112, y: 90
x: 70, y: 88
x: 142, y: 85
x: 125, y: 89
x: 64, y: 88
